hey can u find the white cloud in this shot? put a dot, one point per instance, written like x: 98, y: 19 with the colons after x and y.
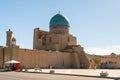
x: 103, y: 50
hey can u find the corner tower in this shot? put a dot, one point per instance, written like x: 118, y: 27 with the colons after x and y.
x: 9, y: 38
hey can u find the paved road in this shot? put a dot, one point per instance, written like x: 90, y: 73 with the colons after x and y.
x: 36, y: 76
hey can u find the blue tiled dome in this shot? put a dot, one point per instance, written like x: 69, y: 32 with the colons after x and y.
x: 59, y: 19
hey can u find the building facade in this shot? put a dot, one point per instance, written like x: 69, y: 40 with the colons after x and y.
x: 56, y: 48
x: 110, y: 62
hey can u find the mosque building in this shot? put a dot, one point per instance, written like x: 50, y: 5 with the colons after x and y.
x: 56, y: 48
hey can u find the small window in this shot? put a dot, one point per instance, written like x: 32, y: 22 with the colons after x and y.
x: 110, y: 62
x: 50, y: 39
x: 43, y: 41
x: 106, y: 63
x: 68, y: 39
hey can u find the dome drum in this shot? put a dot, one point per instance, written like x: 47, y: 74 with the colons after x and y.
x: 59, y: 26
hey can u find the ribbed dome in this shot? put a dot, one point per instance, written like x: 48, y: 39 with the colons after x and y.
x: 59, y: 19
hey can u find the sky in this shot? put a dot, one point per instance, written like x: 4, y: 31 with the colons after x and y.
x: 95, y: 23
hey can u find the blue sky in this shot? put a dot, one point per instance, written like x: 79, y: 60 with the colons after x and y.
x: 95, y: 23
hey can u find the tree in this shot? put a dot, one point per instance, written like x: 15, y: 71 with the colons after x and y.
x: 96, y: 61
